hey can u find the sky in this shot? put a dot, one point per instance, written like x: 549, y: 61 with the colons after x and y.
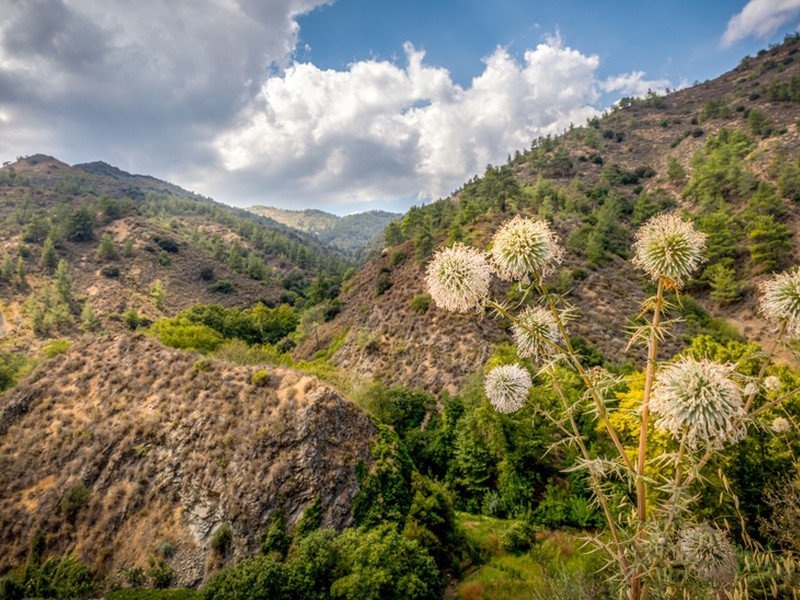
x: 343, y: 105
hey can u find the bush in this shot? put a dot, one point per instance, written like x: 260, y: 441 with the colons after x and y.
x: 75, y: 498
x: 166, y: 244
x: 260, y: 379
x: 56, y: 347
x: 110, y: 272
x: 518, y: 538
x: 179, y: 333
x: 383, y: 283
x: 140, y: 594
x: 222, y: 539
x: 60, y: 578
x: 421, y: 303
x: 252, y: 579
x: 223, y: 286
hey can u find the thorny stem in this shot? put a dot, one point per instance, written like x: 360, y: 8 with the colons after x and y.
x: 765, y: 364
x: 593, y: 476
x: 652, y: 352
x: 677, y: 493
x: 641, y: 486
x: 576, y: 363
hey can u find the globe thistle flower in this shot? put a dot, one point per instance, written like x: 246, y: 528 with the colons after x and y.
x: 708, y: 554
x: 507, y: 387
x: 772, y: 383
x: 458, y: 278
x: 751, y: 389
x: 780, y: 300
x: 523, y: 246
x: 668, y: 248
x: 535, y: 327
x: 697, y: 398
x: 780, y: 425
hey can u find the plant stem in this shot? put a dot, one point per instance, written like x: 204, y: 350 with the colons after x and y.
x: 652, y: 353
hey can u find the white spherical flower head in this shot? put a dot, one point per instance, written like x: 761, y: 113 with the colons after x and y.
x: 698, y: 399
x: 668, y: 248
x: 507, y: 387
x: 772, y: 383
x: 708, y: 554
x: 534, y: 331
x: 780, y: 425
x: 524, y: 246
x: 780, y: 300
x: 458, y: 278
x: 751, y: 389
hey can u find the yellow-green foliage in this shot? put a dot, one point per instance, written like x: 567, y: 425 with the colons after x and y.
x: 180, y: 333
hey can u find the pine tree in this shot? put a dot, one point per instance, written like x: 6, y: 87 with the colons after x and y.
x: 157, y: 293
x: 89, y: 319
x: 106, y: 250
x: 49, y: 258
x: 724, y: 287
x: 63, y: 284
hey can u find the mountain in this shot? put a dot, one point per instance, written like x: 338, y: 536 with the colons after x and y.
x: 120, y: 445
x: 135, y: 243
x: 724, y: 152
x: 350, y: 233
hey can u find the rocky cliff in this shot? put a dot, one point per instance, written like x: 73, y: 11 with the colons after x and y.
x: 120, y: 446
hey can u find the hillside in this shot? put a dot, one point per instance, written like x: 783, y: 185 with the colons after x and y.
x: 350, y: 233
x: 105, y: 456
x: 134, y: 243
x: 724, y: 152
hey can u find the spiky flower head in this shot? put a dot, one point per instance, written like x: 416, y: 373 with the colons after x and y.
x: 780, y: 300
x: 507, y: 387
x: 458, y: 278
x: 780, y: 425
x: 698, y: 399
x: 772, y: 383
x: 534, y: 331
x: 669, y: 249
x: 522, y: 247
x: 707, y: 553
x: 751, y: 389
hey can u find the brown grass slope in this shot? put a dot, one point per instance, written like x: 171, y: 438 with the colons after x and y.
x: 170, y: 447
x: 435, y: 350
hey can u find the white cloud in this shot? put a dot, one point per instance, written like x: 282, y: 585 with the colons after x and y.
x: 379, y: 130
x: 151, y: 78
x: 760, y: 18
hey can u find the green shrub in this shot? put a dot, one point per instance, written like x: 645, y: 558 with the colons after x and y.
x: 383, y: 283
x: 223, y: 286
x: 56, y: 347
x: 421, y: 303
x: 252, y: 579
x: 398, y: 256
x: 75, y: 498
x: 518, y: 538
x: 62, y: 578
x: 222, y: 539
x: 311, y: 519
x: 110, y: 272
x: 178, y: 333
x: 147, y: 594
x: 159, y: 572
x: 260, y: 378
x: 202, y: 365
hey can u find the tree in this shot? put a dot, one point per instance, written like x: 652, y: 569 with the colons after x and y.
x: 770, y: 243
x: 724, y: 287
x: 89, y: 319
x: 157, y: 293
x: 80, y: 225
x: 49, y: 258
x: 63, y: 283
x: 106, y: 250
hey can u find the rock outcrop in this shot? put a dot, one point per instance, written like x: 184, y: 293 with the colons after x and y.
x: 121, y: 445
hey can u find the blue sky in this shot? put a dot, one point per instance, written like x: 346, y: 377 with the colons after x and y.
x: 346, y: 105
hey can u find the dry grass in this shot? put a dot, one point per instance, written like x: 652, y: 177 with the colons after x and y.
x: 168, y: 453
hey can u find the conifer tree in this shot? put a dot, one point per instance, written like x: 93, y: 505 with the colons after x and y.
x: 49, y: 258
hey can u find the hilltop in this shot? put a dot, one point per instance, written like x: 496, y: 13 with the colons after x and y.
x: 350, y: 233
x: 135, y: 243
x: 724, y: 152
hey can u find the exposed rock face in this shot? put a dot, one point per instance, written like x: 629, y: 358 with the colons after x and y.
x: 121, y: 444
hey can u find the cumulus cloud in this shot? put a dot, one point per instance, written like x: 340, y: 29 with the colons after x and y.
x: 381, y: 130
x: 209, y: 94
x: 760, y: 18
x: 153, y: 79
